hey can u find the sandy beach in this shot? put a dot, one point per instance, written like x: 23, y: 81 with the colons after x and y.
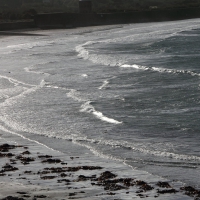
x: 31, y: 170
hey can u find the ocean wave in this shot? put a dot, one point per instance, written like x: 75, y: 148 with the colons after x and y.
x: 161, y: 70
x: 84, y: 75
x: 16, y: 82
x: 88, y: 108
x: 23, y: 46
x: 142, y: 35
x: 31, y: 68
x: 144, y: 149
x: 105, y: 83
x: 74, y: 94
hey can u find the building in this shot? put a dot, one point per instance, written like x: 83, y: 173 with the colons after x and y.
x: 85, y: 6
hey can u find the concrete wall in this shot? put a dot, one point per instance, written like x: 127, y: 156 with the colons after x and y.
x: 66, y: 20
x: 17, y: 25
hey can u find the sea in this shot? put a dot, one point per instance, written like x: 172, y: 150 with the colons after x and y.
x: 128, y: 93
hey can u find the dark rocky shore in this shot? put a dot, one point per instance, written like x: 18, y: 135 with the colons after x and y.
x: 21, y: 165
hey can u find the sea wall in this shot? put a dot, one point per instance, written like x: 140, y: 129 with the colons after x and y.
x: 17, y: 25
x: 67, y: 20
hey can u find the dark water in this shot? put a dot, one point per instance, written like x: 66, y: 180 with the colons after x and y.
x: 125, y: 92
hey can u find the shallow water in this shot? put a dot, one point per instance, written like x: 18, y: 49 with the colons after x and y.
x: 126, y: 92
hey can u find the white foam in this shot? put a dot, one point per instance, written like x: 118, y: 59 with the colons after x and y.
x: 161, y: 70
x: 147, y: 34
x: 87, y: 107
x: 16, y: 82
x: 31, y: 45
x: 105, y: 83
x: 30, y: 69
x: 135, y: 66
x: 74, y: 94
x: 84, y: 75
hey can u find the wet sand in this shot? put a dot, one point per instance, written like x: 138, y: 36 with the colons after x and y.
x: 31, y: 170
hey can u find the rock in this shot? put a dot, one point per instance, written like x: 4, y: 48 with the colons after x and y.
x: 26, y: 152
x: 72, y: 194
x: 190, y: 191
x: 85, y: 178
x: 114, y: 187
x: 146, y: 187
x: 25, y: 159
x: 63, y: 175
x: 50, y: 160
x: 48, y: 177
x: 8, y: 167
x: 6, y: 155
x: 12, y: 198
x: 40, y: 196
x: 163, y: 184
x: 7, y: 146
x: 106, y: 175
x: 63, y: 180
x: 167, y: 191
x: 27, y: 172
x: 111, y: 193
x: 21, y: 192
x: 44, y: 156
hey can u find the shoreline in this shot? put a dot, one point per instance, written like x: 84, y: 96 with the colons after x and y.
x: 31, y: 170
x: 75, y: 180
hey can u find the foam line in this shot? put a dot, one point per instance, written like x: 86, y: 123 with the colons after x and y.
x: 161, y: 70
x: 16, y: 82
x: 105, y: 83
x: 88, y: 108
